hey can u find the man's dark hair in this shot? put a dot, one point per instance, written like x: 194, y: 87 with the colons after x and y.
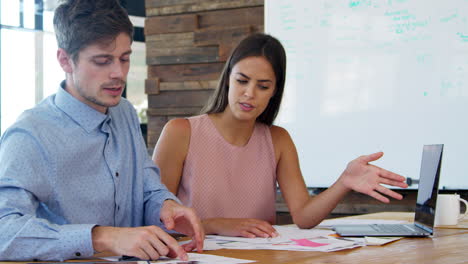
x: 255, y: 45
x: 80, y: 23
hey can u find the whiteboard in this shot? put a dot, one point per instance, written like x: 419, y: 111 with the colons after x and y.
x: 367, y: 76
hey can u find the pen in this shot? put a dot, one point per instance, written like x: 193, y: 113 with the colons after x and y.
x: 128, y: 258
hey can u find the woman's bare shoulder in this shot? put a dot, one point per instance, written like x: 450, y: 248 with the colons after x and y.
x: 177, y: 129
x: 278, y: 133
x: 178, y: 124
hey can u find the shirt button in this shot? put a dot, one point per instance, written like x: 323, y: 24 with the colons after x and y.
x: 117, y: 174
x: 118, y: 207
x: 77, y: 254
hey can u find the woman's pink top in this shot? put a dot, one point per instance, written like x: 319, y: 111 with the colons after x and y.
x: 223, y: 180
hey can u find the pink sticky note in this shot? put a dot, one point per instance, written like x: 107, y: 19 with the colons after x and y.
x: 307, y: 243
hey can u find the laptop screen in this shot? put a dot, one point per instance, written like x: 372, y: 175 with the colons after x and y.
x: 428, y: 185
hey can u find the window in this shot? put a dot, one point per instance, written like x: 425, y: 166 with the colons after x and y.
x: 135, y: 91
x: 26, y: 78
x: 29, y: 71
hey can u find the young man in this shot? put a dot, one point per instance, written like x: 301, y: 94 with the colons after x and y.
x: 75, y: 175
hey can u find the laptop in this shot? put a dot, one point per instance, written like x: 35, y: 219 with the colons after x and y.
x: 425, y: 204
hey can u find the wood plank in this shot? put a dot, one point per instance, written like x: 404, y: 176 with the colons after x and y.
x: 168, y: 44
x: 161, y: 3
x: 225, y: 50
x: 234, y: 17
x: 171, y: 24
x: 258, y: 29
x: 227, y: 46
x: 156, y: 122
x: 186, y: 72
x: 188, y: 85
x: 201, y: 7
x: 218, y: 35
x: 152, y: 86
x: 168, y: 99
x: 170, y: 36
x: 181, y: 51
x: 181, y: 59
x: 156, y: 56
x: 171, y: 111
x: 171, y: 40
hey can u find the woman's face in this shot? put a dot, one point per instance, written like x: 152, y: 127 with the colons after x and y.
x: 252, y: 83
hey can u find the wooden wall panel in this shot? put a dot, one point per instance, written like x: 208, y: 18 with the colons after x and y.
x: 156, y: 122
x: 175, y: 99
x: 170, y: 40
x: 188, y: 85
x: 179, y: 111
x: 186, y: 72
x: 182, y: 55
x: 152, y: 86
x: 234, y: 17
x: 159, y: 8
x: 172, y: 24
x: 217, y: 35
x: 187, y: 44
x: 161, y: 3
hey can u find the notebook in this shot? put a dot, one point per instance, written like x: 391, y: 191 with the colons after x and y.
x: 425, y: 203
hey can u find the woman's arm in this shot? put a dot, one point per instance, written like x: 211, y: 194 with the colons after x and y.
x: 244, y: 227
x: 304, y: 210
x: 359, y: 175
x: 171, y: 150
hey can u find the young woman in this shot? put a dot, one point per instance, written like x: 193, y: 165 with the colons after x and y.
x: 226, y: 162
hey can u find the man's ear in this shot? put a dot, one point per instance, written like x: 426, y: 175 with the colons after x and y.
x: 64, y: 60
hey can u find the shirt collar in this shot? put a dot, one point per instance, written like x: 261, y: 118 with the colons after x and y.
x: 81, y: 113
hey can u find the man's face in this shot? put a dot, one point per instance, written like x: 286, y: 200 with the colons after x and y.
x: 99, y: 75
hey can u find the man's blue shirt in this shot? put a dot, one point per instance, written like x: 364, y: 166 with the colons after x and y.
x: 64, y: 168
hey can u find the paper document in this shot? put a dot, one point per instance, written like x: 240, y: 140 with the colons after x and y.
x: 290, y: 238
x: 195, y: 258
x: 379, y: 241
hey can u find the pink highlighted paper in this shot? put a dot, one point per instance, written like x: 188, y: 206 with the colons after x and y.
x: 307, y: 243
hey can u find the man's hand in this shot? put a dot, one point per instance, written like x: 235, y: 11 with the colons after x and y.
x: 147, y: 242
x: 183, y: 220
x: 365, y: 178
x: 245, y: 227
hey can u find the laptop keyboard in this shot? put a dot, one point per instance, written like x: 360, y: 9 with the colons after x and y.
x: 389, y: 228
